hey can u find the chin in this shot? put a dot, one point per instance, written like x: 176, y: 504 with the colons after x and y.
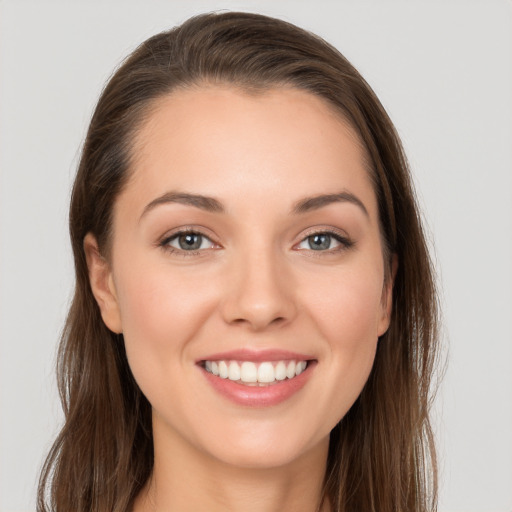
x: 266, y: 450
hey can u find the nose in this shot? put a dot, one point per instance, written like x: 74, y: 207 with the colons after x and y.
x: 260, y: 293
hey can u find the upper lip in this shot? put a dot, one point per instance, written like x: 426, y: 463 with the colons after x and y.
x: 256, y: 355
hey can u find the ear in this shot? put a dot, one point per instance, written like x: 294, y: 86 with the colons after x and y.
x: 102, y: 284
x: 387, y: 297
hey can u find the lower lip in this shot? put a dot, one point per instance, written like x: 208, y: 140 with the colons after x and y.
x: 259, y: 396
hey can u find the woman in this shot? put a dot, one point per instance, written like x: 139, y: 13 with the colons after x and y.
x: 254, y: 321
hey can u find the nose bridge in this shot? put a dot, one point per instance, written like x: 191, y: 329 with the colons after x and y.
x: 260, y: 291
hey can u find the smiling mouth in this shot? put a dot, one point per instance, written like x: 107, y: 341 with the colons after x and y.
x: 250, y: 373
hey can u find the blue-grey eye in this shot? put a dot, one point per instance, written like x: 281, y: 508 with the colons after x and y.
x: 322, y: 242
x: 319, y: 242
x: 189, y: 241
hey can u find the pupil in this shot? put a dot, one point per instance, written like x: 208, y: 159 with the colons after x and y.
x: 319, y: 242
x: 190, y: 241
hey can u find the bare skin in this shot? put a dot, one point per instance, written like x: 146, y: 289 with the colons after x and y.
x: 224, y: 487
x: 272, y: 195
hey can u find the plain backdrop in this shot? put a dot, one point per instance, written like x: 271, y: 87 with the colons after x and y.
x: 442, y: 69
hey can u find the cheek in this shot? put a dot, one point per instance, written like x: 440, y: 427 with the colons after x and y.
x: 348, y: 319
x: 348, y: 313
x: 161, y: 312
x: 157, y: 299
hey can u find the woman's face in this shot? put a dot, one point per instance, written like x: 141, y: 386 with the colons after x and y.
x: 246, y: 247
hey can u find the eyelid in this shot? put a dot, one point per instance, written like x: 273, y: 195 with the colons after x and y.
x: 163, y: 241
x: 339, y: 235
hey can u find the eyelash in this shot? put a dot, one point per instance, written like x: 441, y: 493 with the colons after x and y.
x: 345, y: 242
x: 164, y: 243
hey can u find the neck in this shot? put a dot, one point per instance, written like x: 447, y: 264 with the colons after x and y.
x: 185, y: 479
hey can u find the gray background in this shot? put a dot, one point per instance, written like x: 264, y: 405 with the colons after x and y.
x: 443, y: 71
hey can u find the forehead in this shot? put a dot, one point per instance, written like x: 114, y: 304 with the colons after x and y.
x: 278, y: 144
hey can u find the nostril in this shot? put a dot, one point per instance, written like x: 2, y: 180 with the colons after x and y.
x: 276, y: 321
x: 245, y: 320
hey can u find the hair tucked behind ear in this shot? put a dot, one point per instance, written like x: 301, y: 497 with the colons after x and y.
x: 381, y: 456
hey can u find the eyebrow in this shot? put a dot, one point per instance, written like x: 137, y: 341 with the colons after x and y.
x: 213, y: 205
x: 208, y: 204
x: 316, y: 202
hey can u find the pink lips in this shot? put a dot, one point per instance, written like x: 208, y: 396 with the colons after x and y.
x: 258, y: 396
x: 256, y: 355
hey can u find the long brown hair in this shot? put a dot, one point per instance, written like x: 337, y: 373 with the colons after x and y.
x: 381, y: 454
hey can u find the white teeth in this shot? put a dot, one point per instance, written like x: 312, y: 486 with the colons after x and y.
x: 223, y: 369
x: 266, y: 373
x: 251, y: 373
x: 290, y: 370
x: 234, y: 371
x: 300, y: 367
x: 280, y: 371
x: 248, y: 372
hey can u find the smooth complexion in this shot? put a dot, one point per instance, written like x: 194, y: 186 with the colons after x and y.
x: 248, y: 231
